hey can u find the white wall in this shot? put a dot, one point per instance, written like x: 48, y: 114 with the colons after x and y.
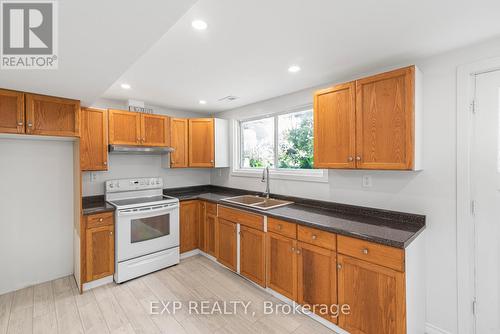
x: 128, y: 166
x: 431, y: 192
x: 36, y: 211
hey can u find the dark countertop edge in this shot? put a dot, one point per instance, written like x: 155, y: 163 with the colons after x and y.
x: 92, y: 205
x: 195, y: 193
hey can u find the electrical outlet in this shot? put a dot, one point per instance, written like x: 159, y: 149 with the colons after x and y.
x: 367, y: 181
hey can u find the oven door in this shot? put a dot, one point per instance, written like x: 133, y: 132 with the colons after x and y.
x: 146, y: 230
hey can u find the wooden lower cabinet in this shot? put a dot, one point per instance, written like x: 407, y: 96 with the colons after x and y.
x: 226, y: 243
x: 281, y: 265
x: 210, y: 231
x: 99, y: 250
x: 375, y: 294
x: 253, y: 255
x: 317, y: 279
x: 189, y: 230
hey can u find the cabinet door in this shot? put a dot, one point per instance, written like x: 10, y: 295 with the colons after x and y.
x: 154, y: 130
x: 376, y: 297
x: 202, y: 245
x: 335, y: 127
x: 210, y: 230
x: 179, y: 142
x: 317, y: 279
x: 226, y: 243
x: 11, y: 111
x: 100, y: 252
x: 189, y: 217
x: 385, y: 120
x: 94, y: 139
x: 124, y: 127
x: 253, y: 255
x: 52, y: 116
x: 201, y: 142
x: 282, y: 265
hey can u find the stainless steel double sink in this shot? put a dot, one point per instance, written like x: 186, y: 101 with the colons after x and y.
x: 257, y: 202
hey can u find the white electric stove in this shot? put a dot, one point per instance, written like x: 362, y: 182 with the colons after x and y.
x: 147, y: 226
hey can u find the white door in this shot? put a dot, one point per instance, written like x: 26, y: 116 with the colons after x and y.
x: 485, y: 185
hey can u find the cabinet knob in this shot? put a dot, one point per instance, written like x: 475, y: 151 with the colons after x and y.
x: 293, y: 249
x: 105, y: 163
x: 138, y: 140
x: 110, y: 233
x: 298, y: 251
x: 100, y: 220
x: 339, y: 266
x: 280, y: 227
x: 211, y: 161
x: 358, y: 158
x: 143, y: 140
x: 30, y: 124
x: 365, y: 251
x: 314, y: 237
x: 20, y: 123
x: 350, y: 159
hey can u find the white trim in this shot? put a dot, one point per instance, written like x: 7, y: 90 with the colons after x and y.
x: 96, y: 283
x: 431, y: 329
x: 194, y: 252
x: 465, y: 223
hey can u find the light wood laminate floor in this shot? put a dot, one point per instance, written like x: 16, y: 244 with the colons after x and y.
x: 57, y: 307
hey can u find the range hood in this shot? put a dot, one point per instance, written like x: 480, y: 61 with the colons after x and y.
x: 139, y: 149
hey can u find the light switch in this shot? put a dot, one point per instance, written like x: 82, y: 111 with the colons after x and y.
x: 367, y: 181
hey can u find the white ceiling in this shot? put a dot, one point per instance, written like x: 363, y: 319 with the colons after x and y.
x: 249, y: 44
x: 98, y: 41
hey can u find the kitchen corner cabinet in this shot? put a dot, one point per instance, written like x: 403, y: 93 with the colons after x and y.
x: 189, y: 225
x: 137, y: 129
x: 94, y: 140
x: 226, y: 243
x: 179, y: 142
x: 370, y: 123
x: 11, y: 111
x: 208, y: 142
x: 52, y: 116
x: 98, y: 247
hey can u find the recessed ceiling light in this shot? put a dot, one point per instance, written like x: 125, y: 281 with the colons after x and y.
x: 199, y: 24
x: 125, y: 86
x: 203, y: 102
x: 294, y: 69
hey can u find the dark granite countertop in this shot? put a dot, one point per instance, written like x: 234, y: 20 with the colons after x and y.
x: 95, y: 204
x: 392, y: 228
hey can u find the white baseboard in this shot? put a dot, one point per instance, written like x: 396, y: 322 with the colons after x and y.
x: 194, y: 252
x: 431, y: 329
x: 96, y: 283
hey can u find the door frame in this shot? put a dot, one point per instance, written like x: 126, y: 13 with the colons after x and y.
x: 466, y: 75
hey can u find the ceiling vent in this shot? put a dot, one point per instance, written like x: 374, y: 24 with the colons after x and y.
x: 229, y: 98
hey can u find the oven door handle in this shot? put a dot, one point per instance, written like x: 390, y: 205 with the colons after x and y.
x: 156, y: 208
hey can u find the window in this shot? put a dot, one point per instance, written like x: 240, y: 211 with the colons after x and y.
x: 282, y: 142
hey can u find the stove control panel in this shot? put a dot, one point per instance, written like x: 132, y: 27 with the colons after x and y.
x: 134, y: 184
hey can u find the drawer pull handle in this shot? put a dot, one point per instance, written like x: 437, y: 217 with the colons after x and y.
x: 314, y: 237
x: 365, y: 251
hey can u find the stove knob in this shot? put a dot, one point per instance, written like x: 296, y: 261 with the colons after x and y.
x: 111, y: 185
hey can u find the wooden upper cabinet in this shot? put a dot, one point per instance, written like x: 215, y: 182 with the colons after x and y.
x: 253, y: 254
x: 282, y: 265
x: 334, y: 127
x: 124, y: 127
x: 155, y: 130
x: 375, y: 294
x: 317, y: 278
x: 179, y: 142
x: 226, y: 243
x: 94, y: 139
x: 11, y: 111
x: 385, y: 120
x: 52, y: 116
x: 201, y: 142
x: 100, y: 252
x: 189, y: 230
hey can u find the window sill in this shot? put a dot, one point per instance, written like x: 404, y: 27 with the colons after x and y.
x: 312, y: 175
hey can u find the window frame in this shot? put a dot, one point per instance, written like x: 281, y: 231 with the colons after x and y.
x: 312, y: 175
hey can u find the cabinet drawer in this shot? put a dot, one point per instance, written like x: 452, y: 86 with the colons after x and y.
x: 242, y: 217
x: 382, y: 255
x: 317, y: 237
x: 211, y: 209
x: 101, y: 219
x: 282, y: 227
